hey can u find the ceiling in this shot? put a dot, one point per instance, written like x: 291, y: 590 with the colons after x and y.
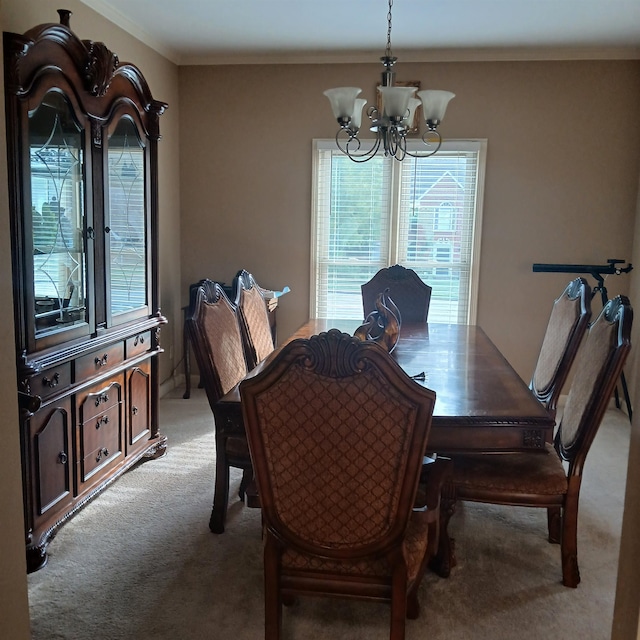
x: 254, y: 31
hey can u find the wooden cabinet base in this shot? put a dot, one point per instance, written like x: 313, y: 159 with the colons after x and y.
x: 38, y: 541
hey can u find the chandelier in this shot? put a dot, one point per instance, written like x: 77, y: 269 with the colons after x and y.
x: 392, y: 121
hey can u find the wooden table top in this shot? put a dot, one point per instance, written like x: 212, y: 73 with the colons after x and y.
x: 482, y: 404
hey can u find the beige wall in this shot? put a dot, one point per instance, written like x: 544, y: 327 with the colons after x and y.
x: 162, y: 76
x: 562, y: 165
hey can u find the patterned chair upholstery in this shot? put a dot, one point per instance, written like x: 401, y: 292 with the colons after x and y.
x: 409, y: 293
x: 567, y: 325
x: 337, y: 433
x: 254, y: 318
x: 218, y: 347
x: 540, y: 479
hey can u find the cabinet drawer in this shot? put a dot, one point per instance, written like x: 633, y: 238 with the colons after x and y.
x: 101, y: 458
x: 99, y: 361
x: 97, y: 432
x: 138, y: 344
x: 99, y: 398
x: 100, y: 429
x: 50, y: 381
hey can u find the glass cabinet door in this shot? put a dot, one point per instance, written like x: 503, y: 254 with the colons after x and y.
x: 55, y: 238
x: 126, y: 229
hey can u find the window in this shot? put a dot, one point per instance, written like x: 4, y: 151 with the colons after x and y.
x: 423, y: 213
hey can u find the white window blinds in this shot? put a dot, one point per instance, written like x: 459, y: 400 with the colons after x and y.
x: 423, y: 213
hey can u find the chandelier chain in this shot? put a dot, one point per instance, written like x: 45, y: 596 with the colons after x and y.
x: 388, y: 53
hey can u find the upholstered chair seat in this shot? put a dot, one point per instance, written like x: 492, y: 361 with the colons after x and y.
x: 415, y: 548
x: 514, y: 473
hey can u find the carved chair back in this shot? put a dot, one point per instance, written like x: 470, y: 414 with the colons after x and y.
x: 567, y: 325
x: 410, y: 294
x: 598, y: 368
x: 253, y: 317
x: 217, y: 341
x: 337, y: 433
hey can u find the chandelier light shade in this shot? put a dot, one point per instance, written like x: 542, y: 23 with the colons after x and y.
x: 393, y: 120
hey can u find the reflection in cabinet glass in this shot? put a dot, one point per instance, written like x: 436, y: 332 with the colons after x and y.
x: 126, y: 222
x: 57, y: 212
x: 82, y: 137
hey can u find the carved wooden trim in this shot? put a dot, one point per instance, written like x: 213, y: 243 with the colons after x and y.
x: 96, y: 133
x: 99, y: 68
x: 95, y: 64
x: 335, y: 354
x: 533, y: 439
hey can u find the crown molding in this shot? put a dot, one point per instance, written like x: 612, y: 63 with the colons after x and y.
x: 494, y: 54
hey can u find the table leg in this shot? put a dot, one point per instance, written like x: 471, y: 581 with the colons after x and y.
x: 445, y: 558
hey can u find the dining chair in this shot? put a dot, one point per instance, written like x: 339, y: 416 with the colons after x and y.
x: 568, y: 321
x: 254, y: 318
x: 218, y: 347
x: 337, y: 433
x: 409, y: 293
x: 539, y: 479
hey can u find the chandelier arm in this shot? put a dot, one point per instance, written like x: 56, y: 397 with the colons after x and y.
x: 345, y: 131
x: 366, y: 156
x: 430, y: 152
x: 352, y: 139
x: 373, y: 113
x: 401, y: 150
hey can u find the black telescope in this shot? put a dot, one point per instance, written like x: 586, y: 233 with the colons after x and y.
x: 596, y: 270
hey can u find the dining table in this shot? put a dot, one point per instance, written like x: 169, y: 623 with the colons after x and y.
x: 482, y: 404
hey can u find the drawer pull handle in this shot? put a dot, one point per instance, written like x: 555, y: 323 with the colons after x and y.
x: 101, y: 362
x: 138, y: 340
x: 102, y: 420
x: 134, y: 410
x: 102, y: 452
x: 62, y: 457
x: 51, y: 382
x: 103, y: 397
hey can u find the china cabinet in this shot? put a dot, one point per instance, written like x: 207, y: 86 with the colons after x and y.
x: 82, y: 136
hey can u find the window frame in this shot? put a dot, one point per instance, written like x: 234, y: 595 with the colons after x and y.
x: 476, y: 145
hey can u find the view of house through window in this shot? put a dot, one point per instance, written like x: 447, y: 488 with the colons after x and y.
x: 423, y: 213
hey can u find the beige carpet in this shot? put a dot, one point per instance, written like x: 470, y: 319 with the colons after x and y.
x: 140, y: 562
